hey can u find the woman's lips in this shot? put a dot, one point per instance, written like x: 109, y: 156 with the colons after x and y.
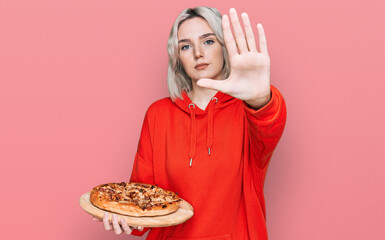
x: 201, y: 66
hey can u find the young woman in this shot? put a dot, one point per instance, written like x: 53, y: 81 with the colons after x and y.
x: 212, y: 140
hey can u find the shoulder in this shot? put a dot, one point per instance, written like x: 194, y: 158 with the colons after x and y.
x: 159, y: 106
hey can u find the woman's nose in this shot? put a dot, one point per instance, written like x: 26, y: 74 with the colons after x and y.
x: 198, y: 52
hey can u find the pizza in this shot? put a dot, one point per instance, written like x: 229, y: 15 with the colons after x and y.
x: 134, y: 199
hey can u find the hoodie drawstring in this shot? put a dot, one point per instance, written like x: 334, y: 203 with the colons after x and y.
x: 193, y: 131
x: 210, y: 125
x: 193, y: 134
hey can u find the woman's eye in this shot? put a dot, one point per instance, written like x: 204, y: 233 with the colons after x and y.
x: 209, y: 41
x: 184, y: 47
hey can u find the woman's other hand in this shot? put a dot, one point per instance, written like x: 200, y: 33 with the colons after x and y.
x: 117, y: 226
x: 249, y: 79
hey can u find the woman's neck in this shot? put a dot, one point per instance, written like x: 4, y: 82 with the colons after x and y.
x: 201, y: 96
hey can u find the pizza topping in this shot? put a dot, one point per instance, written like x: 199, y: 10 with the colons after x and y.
x: 132, y: 195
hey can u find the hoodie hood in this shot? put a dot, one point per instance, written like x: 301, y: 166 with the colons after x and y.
x: 220, y: 100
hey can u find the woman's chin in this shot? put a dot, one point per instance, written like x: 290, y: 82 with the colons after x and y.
x: 205, y: 75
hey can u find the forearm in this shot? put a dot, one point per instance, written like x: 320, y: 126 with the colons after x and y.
x: 265, y: 127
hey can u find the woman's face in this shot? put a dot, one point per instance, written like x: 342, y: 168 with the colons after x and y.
x: 198, y: 44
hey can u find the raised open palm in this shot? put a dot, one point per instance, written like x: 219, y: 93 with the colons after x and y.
x: 249, y: 79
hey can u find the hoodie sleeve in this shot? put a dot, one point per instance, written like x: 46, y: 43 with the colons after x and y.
x: 142, y: 170
x: 265, y: 127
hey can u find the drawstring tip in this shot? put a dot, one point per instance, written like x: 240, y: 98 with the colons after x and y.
x: 190, y: 162
x: 209, y: 152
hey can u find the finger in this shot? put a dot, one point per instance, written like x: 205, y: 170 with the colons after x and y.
x: 106, y: 222
x: 262, y: 38
x: 125, y: 226
x: 238, y: 32
x: 140, y: 228
x: 228, y: 37
x: 249, y: 33
x: 219, y: 85
x: 115, y: 224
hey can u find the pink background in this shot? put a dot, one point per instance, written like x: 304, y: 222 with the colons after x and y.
x: 76, y: 78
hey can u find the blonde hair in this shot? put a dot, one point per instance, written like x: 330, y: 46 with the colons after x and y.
x: 177, y: 79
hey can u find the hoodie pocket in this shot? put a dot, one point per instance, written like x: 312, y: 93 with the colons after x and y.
x: 221, y: 237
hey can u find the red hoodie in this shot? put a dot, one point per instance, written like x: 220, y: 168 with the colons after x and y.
x: 216, y: 159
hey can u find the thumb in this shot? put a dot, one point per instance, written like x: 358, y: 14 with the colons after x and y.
x: 219, y: 85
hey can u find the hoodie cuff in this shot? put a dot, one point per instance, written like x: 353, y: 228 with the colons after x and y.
x: 136, y: 232
x: 268, y: 111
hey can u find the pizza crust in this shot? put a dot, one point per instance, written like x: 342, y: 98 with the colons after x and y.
x: 162, y: 201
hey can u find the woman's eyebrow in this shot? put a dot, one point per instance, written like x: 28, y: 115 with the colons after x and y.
x: 203, y: 36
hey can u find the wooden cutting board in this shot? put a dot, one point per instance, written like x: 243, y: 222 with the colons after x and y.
x: 184, y: 212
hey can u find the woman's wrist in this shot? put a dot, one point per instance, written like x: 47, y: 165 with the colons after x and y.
x: 258, y: 102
